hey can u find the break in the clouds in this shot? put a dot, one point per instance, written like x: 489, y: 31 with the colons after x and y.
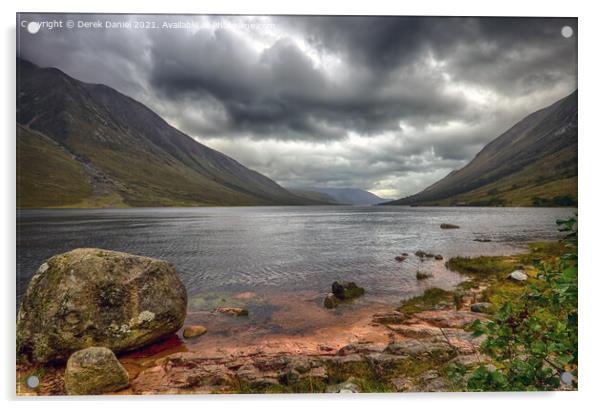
x: 388, y: 104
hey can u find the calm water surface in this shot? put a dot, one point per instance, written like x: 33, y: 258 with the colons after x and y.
x: 286, y: 248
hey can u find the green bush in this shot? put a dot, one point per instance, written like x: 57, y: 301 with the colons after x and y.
x: 532, y: 340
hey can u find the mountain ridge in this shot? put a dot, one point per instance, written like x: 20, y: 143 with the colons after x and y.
x: 345, y: 195
x: 128, y: 153
x: 533, y: 163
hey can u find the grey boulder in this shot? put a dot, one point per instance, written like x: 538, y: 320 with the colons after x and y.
x: 92, y: 297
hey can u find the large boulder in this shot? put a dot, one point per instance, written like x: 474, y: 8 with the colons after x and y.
x: 93, y: 297
x: 93, y: 371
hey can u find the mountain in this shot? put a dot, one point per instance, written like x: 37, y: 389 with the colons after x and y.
x: 534, y: 163
x: 347, y: 195
x: 87, y: 145
x: 316, y: 196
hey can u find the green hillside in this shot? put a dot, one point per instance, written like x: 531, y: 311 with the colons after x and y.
x: 105, y: 149
x: 534, y: 163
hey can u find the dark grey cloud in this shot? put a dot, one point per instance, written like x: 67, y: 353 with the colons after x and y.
x: 382, y: 103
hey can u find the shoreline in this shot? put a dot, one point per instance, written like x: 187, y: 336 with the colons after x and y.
x: 415, y: 341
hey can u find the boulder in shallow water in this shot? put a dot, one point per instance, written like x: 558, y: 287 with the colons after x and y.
x: 193, y: 331
x: 330, y: 301
x: 92, y: 297
x: 93, y: 371
x: 346, y: 290
x: 449, y: 226
x: 236, y: 311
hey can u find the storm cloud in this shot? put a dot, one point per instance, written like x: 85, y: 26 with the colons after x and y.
x: 388, y: 104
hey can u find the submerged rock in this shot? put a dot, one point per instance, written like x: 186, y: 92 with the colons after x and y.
x: 239, y: 312
x: 92, y: 297
x: 449, y: 226
x: 93, y: 371
x: 400, y: 258
x: 330, y: 301
x: 346, y: 290
x: 193, y: 331
x: 422, y: 276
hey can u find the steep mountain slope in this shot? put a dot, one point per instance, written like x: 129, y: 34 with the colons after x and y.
x: 349, y: 195
x: 129, y: 155
x: 534, y: 163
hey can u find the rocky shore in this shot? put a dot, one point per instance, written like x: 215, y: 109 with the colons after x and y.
x: 405, y: 349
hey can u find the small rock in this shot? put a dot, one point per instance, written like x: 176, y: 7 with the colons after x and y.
x: 483, y: 307
x: 400, y: 258
x: 358, y: 348
x: 390, y: 317
x: 239, y: 312
x: 316, y: 373
x: 402, y: 384
x: 192, y: 331
x: 414, y: 347
x: 466, y: 360
x: 330, y: 301
x: 483, y: 240
x: 346, y: 290
x: 449, y: 226
x: 420, y: 253
x: 405, y: 254
x: 422, y: 276
x: 93, y: 371
x: 438, y: 257
x: 518, y: 275
x: 345, y: 387
x: 429, y: 255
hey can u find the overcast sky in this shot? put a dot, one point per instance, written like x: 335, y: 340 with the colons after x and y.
x: 387, y: 104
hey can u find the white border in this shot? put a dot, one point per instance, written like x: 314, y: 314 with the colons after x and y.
x: 590, y: 151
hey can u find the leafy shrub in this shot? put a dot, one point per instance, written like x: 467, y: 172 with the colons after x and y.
x: 532, y: 340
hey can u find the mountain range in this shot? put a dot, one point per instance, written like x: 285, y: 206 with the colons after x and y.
x: 534, y: 163
x: 87, y: 145
x: 348, y: 196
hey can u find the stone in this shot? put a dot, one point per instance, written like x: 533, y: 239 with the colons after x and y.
x: 413, y: 347
x: 92, y: 297
x: 518, y: 275
x: 420, y: 254
x: 389, y: 317
x: 400, y: 258
x: 94, y: 371
x: 330, y: 301
x: 193, y: 331
x: 402, y: 384
x: 466, y: 360
x: 483, y: 307
x: 345, y: 387
x: 422, y: 275
x: 449, y: 226
x: 237, y: 312
x: 438, y: 257
x: 358, y: 348
x: 346, y: 290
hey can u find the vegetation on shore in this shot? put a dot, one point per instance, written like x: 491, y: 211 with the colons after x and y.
x: 532, y: 337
